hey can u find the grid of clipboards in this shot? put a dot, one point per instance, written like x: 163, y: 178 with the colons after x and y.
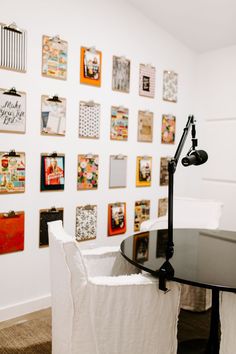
x: 13, y: 56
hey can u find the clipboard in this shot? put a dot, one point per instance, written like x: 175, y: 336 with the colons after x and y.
x: 147, y: 80
x: 141, y: 213
x: 145, y: 126
x: 13, y: 111
x: 52, y: 175
x: 13, y: 44
x: 89, y: 119
x: 143, y: 171
x: 119, y: 123
x: 116, y: 218
x: 53, y: 115
x: 86, y: 222
x: 12, y: 172
x: 45, y: 216
x: 12, y: 231
x: 87, y: 172
x: 120, y: 74
x: 54, y: 57
x: 118, y: 171
x: 90, y: 66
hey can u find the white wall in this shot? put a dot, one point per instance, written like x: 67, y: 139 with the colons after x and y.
x: 216, y: 91
x: 115, y: 29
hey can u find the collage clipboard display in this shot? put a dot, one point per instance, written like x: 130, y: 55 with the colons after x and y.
x: 141, y: 213
x: 12, y: 111
x: 121, y: 74
x: 147, y: 79
x: 89, y: 119
x: 143, y: 171
x: 13, y: 48
x: 52, y: 172
x: 145, y: 126
x: 53, y: 115
x: 12, y: 231
x: 54, y: 57
x: 164, y: 177
x: 87, y: 172
x: 46, y: 216
x: 119, y: 123
x: 116, y: 218
x: 86, y: 222
x: 170, y: 86
x: 118, y: 171
x: 12, y: 172
x: 90, y: 66
x: 162, y: 207
x: 168, y: 129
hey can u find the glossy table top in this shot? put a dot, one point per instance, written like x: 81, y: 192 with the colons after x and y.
x: 205, y: 258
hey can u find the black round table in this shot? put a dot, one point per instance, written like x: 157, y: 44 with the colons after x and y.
x: 203, y: 258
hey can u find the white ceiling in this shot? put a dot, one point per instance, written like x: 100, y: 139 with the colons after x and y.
x: 202, y: 25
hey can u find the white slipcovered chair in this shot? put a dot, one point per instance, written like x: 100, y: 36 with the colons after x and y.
x: 191, y: 213
x: 98, y: 309
x: 228, y: 322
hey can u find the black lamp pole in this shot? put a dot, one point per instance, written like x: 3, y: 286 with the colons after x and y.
x: 166, y: 271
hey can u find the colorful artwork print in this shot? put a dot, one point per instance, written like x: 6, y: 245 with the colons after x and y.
x: 89, y: 120
x: 87, y: 177
x: 90, y: 66
x: 121, y: 74
x: 145, y: 126
x: 119, y: 123
x: 54, y: 57
x: 11, y: 232
x: 164, y: 177
x: 46, y: 216
x: 140, y: 247
x: 53, y: 116
x: 12, y: 173
x: 12, y: 112
x: 86, y: 222
x: 147, y: 78
x: 141, y: 213
x: 52, y: 172
x: 168, y: 129
x: 170, y: 86
x: 116, y: 219
x: 162, y: 206
x: 143, y: 171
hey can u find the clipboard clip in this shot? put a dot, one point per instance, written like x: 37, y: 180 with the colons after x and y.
x: 119, y: 157
x: 54, y: 154
x: 90, y: 103
x: 55, y: 39
x: 88, y: 207
x: 12, y: 92
x: 89, y: 155
x: 11, y: 153
x: 145, y: 157
x: 92, y: 50
x: 11, y: 214
x: 13, y: 27
x: 53, y: 210
x: 117, y: 204
x: 54, y: 98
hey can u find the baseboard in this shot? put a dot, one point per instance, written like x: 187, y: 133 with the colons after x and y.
x: 22, y: 308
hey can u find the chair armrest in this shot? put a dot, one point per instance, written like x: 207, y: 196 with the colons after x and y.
x: 106, y: 261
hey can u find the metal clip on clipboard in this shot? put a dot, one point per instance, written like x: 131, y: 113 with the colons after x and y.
x: 54, y: 98
x: 11, y: 153
x: 13, y: 27
x: 12, y: 92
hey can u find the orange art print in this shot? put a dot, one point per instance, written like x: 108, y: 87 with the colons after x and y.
x: 87, y: 172
x: 90, y: 66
